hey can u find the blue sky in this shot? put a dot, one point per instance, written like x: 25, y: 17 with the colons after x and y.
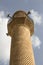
x: 36, y: 8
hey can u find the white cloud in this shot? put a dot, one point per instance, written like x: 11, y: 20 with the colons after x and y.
x: 4, y: 40
x: 36, y: 41
x: 37, y: 18
x: 2, y: 14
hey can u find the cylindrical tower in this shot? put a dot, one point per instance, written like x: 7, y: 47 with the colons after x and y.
x: 21, y: 28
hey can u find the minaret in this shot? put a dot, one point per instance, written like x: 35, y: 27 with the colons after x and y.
x: 21, y: 28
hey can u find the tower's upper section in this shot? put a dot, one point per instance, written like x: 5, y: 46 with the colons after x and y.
x: 20, y: 18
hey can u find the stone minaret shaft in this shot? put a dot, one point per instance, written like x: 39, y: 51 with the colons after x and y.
x: 21, y: 48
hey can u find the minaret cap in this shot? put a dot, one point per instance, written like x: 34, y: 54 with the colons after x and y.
x: 20, y: 18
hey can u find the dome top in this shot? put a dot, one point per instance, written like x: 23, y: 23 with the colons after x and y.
x: 20, y: 18
x: 19, y: 14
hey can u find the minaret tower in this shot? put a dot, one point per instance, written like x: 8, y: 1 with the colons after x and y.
x: 21, y: 28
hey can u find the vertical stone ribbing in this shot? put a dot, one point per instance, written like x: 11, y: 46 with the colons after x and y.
x: 21, y: 47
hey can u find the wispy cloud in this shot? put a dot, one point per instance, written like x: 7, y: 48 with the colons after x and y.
x: 36, y: 41
x: 36, y: 17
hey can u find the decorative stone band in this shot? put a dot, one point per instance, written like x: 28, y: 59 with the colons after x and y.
x: 20, y: 17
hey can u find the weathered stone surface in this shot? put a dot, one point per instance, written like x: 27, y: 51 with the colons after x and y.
x: 21, y: 18
x: 20, y: 29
